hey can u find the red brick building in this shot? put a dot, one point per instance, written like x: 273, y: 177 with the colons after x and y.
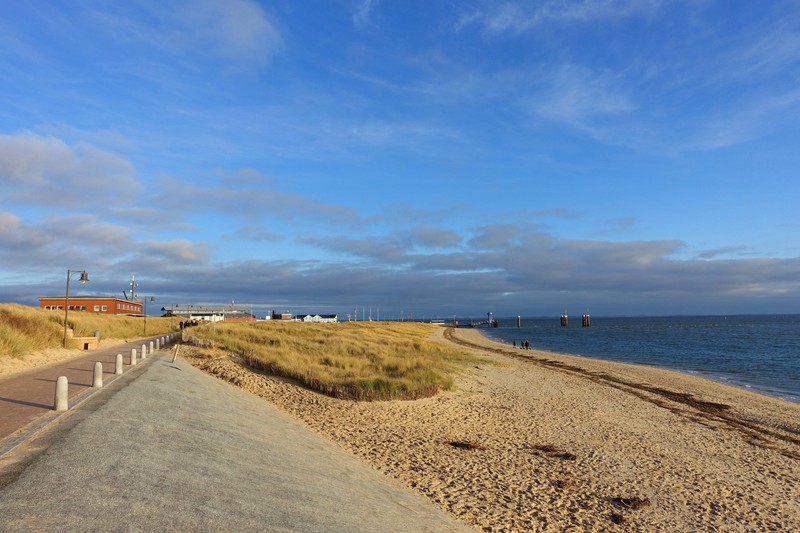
x: 93, y: 304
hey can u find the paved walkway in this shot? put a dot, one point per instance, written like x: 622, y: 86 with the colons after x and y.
x: 26, y: 400
x: 177, y: 450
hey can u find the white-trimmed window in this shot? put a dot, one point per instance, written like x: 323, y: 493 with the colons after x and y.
x: 105, y: 308
x: 96, y: 308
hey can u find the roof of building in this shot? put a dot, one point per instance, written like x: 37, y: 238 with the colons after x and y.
x: 71, y: 297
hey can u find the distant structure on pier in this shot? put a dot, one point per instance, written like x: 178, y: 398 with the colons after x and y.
x: 586, y: 320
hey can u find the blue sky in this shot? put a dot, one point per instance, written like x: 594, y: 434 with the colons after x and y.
x: 430, y: 158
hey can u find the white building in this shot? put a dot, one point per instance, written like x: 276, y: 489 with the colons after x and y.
x: 317, y: 318
x: 208, y: 313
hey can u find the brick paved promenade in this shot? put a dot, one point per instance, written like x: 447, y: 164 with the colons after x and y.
x: 26, y: 400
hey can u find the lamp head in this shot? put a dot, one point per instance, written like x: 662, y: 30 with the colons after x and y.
x: 84, y: 277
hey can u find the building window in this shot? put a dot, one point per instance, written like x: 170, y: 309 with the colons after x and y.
x: 96, y: 308
x: 83, y: 308
x: 105, y: 308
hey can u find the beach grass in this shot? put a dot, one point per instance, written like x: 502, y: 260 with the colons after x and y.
x: 28, y: 329
x: 348, y: 360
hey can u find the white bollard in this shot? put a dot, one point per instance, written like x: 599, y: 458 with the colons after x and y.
x: 97, y: 382
x: 151, y: 347
x: 144, y: 352
x: 158, y: 344
x: 133, y: 356
x: 118, y: 364
x: 61, y: 400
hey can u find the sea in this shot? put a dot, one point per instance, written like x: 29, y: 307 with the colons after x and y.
x: 760, y: 353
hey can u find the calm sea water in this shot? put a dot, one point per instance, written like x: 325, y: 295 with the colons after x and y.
x: 760, y: 353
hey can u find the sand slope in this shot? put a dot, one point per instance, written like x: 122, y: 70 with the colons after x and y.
x: 534, y: 441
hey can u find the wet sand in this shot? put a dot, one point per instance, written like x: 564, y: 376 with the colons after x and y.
x: 534, y: 441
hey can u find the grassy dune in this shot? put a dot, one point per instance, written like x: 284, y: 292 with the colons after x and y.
x: 29, y: 329
x: 352, y: 360
x: 349, y: 360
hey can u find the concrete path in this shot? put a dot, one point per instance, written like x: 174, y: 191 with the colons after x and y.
x: 26, y: 400
x: 177, y: 450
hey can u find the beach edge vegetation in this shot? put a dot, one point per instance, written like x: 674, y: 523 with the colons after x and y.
x: 361, y: 361
x: 24, y: 330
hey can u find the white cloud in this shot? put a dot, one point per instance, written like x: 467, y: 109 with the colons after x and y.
x: 239, y: 30
x: 260, y: 202
x: 180, y: 251
x: 45, y: 170
x: 431, y: 237
x: 517, y: 17
x: 255, y: 234
x: 772, y: 53
x: 16, y: 235
x: 88, y: 231
x: 362, y: 16
x: 748, y: 121
x: 576, y: 95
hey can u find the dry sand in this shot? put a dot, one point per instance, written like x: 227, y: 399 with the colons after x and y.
x: 10, y: 366
x: 534, y: 441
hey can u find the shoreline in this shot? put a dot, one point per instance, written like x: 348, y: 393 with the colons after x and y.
x: 546, y: 442
x: 782, y: 395
x: 725, y: 377
x: 685, y: 382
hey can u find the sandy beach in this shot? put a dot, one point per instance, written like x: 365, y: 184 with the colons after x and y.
x: 533, y: 441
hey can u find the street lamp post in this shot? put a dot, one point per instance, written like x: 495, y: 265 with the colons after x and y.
x: 84, y: 279
x: 144, y: 301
